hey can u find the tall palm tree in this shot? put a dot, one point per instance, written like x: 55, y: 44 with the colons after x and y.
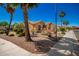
x: 10, y: 7
x: 62, y: 14
x: 25, y: 7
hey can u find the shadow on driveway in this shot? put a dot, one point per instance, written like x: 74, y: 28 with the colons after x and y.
x: 65, y: 47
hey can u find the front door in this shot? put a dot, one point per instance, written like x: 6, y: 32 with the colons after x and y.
x: 39, y: 27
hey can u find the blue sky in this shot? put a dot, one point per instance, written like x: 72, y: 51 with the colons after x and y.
x: 45, y: 12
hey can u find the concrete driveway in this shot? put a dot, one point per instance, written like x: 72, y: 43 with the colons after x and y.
x: 65, y: 47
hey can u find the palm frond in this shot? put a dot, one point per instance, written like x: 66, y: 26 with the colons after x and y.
x: 32, y: 5
x: 62, y: 14
x: 13, y: 5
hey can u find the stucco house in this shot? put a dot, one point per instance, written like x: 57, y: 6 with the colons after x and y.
x: 40, y: 26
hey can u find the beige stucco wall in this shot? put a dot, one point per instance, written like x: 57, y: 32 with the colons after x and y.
x: 34, y: 26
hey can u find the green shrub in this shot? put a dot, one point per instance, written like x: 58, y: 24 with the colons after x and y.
x: 7, y: 32
x: 62, y: 30
x: 1, y: 31
x: 19, y: 31
x: 69, y: 28
x: 4, y: 23
x: 21, y: 34
x: 18, y: 28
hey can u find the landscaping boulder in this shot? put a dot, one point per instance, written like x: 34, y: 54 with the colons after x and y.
x: 12, y: 33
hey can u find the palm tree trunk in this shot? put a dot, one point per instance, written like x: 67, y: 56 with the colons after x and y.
x: 25, y: 13
x: 10, y: 22
x: 61, y: 23
x: 65, y: 27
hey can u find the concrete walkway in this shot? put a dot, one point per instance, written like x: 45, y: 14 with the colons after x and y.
x: 9, y: 49
x: 64, y: 47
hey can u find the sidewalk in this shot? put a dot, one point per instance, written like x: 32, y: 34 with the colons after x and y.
x: 64, y: 47
x: 9, y: 49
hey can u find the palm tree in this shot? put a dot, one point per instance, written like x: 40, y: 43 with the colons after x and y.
x: 65, y: 22
x: 62, y: 14
x: 10, y: 9
x: 25, y: 7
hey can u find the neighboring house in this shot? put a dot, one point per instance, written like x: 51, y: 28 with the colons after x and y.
x: 75, y: 28
x: 40, y: 25
x: 37, y: 26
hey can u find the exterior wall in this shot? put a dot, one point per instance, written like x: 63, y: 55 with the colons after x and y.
x: 50, y: 27
x: 31, y: 27
x: 53, y: 27
x: 39, y: 26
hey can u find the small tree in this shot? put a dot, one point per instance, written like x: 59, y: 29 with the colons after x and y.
x: 4, y: 23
